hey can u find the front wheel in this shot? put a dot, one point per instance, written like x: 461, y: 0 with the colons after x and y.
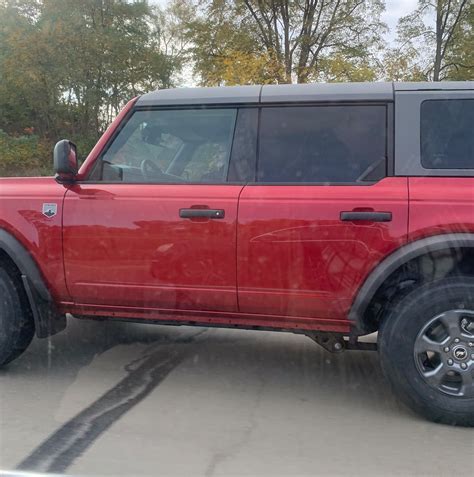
x: 16, y: 324
x: 426, y: 347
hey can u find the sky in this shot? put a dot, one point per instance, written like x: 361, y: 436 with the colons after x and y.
x: 394, y: 9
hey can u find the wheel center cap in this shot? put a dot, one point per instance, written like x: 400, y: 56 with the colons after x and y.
x: 460, y: 353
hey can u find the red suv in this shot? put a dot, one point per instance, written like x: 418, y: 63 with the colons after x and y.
x: 328, y: 210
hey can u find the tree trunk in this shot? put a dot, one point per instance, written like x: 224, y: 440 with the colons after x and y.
x: 439, y: 40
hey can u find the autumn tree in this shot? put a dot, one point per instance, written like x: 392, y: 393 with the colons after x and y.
x: 68, y: 66
x: 429, y: 37
x: 460, y: 58
x: 282, y: 41
x: 402, y: 65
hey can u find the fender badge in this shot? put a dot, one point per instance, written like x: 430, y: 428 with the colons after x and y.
x: 50, y: 210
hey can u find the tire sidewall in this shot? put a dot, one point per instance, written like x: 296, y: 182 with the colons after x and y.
x: 9, y: 303
x: 16, y: 330
x: 398, y: 334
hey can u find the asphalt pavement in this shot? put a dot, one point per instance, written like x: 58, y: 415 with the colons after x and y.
x: 106, y: 398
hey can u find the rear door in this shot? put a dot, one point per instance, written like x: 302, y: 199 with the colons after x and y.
x: 435, y: 147
x: 323, y: 211
x: 155, y: 225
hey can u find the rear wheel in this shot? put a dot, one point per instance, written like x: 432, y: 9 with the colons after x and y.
x: 16, y: 323
x: 426, y: 346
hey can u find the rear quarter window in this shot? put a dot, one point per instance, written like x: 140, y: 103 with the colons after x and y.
x: 447, y: 134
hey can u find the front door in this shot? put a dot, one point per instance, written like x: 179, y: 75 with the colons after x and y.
x: 155, y: 225
x: 322, y: 213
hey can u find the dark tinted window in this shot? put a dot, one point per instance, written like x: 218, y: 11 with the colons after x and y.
x: 322, y: 144
x: 171, y: 146
x: 447, y: 134
x: 244, y: 149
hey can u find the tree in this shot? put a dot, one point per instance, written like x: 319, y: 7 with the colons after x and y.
x: 337, y: 68
x: 402, y: 65
x: 431, y: 34
x: 68, y: 66
x: 284, y: 40
x: 460, y: 58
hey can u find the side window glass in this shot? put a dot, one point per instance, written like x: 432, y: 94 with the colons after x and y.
x: 207, y: 164
x: 169, y: 146
x: 322, y: 144
x: 447, y: 134
x: 244, y: 149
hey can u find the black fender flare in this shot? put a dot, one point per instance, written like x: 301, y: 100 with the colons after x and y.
x: 47, y: 320
x: 394, y: 261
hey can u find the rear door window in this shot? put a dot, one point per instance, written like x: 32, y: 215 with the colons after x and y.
x: 322, y: 144
x: 447, y: 134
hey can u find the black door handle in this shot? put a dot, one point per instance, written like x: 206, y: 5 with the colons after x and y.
x: 207, y: 213
x: 367, y: 216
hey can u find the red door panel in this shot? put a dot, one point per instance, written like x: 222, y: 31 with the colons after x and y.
x: 127, y: 245
x: 296, y: 257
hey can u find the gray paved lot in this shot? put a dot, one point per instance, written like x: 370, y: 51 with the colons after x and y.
x: 126, y: 399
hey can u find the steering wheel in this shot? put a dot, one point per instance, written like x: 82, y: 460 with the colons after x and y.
x: 150, y: 169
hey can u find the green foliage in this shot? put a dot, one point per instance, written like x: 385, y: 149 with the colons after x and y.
x: 338, y: 68
x: 284, y: 41
x: 460, y: 58
x: 402, y: 66
x: 68, y: 66
x: 24, y: 155
x: 435, y: 41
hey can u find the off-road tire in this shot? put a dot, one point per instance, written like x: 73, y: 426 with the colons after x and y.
x: 16, y: 323
x: 402, y: 335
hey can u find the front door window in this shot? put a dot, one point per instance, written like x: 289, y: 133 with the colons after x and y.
x: 170, y: 146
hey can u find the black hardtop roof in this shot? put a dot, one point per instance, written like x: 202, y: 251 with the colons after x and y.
x: 292, y: 93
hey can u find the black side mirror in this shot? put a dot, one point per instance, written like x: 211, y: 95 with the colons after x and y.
x: 65, y: 161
